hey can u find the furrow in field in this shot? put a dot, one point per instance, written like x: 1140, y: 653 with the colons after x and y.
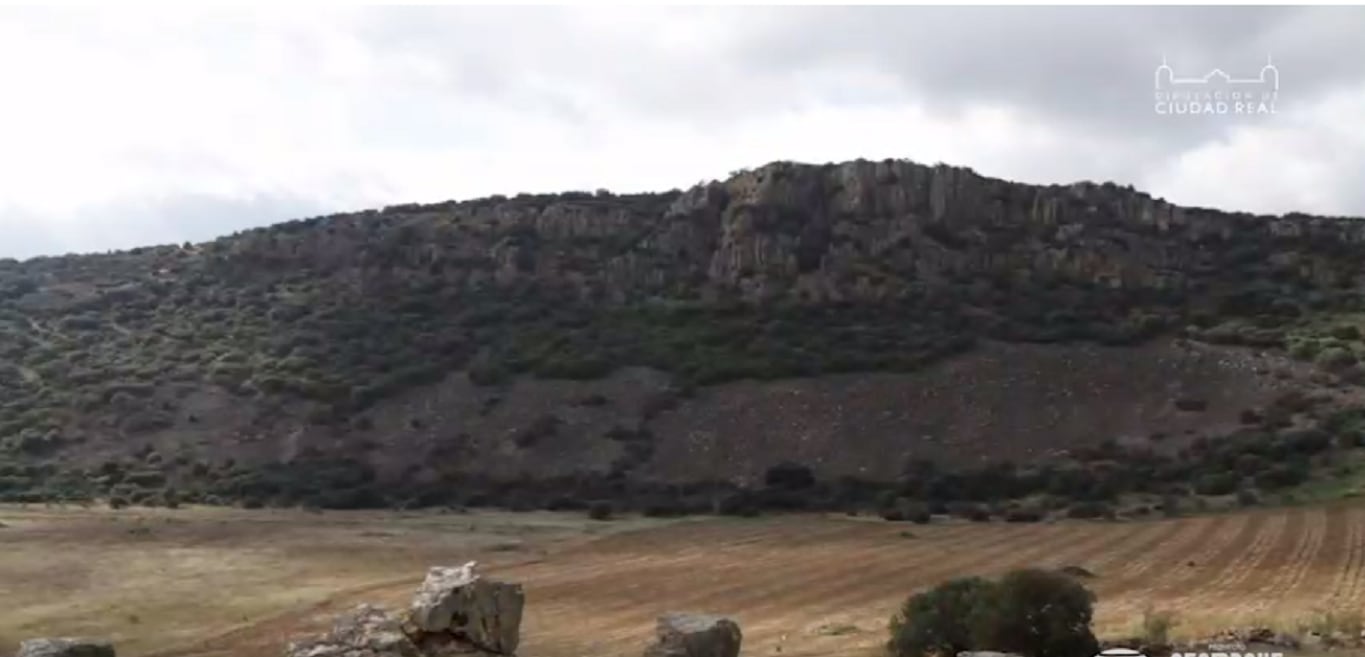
x: 880, y: 596
x: 627, y: 549
x: 1348, y: 578
x: 773, y: 585
x: 618, y: 572
x: 1137, y: 583
x: 761, y: 577
x: 1269, y: 532
x: 1307, y: 534
x: 1220, y: 546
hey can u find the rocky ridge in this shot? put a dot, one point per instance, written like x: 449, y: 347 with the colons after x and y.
x: 227, y: 369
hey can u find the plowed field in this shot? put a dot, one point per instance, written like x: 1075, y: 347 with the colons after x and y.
x: 800, y: 586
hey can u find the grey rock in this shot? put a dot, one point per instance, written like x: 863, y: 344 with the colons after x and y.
x: 456, y: 610
x: 365, y: 632
x: 695, y: 635
x: 65, y: 647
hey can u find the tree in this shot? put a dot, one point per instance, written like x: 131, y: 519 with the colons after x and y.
x: 788, y: 475
x: 939, y: 621
x: 1038, y: 613
x: 600, y: 510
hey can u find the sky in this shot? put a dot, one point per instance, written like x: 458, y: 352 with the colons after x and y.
x: 123, y: 127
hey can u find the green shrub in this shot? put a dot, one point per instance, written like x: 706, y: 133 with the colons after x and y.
x: 1283, y: 475
x: 1023, y: 515
x: 1216, y: 483
x: 1335, y: 358
x: 1345, y: 332
x: 1304, y: 349
x: 940, y: 621
x: 1191, y: 405
x: 1031, y: 612
x: 600, y: 510
x: 1090, y: 510
x: 915, y: 512
x: 789, y: 476
x: 1038, y: 613
x: 1156, y: 627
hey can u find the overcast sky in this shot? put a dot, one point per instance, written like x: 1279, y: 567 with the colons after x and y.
x: 142, y: 126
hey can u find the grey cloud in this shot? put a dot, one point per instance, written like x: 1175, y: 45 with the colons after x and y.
x: 451, y: 82
x: 128, y: 224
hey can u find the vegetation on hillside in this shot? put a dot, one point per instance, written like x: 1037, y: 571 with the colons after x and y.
x: 775, y: 273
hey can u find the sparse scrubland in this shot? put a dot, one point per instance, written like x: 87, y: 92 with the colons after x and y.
x: 664, y: 351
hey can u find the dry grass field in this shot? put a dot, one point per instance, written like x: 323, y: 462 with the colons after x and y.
x: 213, y: 583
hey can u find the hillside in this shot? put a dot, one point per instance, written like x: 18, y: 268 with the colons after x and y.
x: 848, y: 317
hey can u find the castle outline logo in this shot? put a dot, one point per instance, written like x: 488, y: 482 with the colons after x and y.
x: 1215, y: 93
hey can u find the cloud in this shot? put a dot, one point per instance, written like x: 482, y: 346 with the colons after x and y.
x: 128, y: 126
x: 138, y: 222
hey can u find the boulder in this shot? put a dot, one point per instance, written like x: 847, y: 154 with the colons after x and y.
x: 455, y: 612
x: 458, y: 611
x: 65, y: 647
x: 365, y: 632
x: 695, y: 635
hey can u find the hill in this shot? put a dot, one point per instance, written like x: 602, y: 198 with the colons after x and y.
x: 854, y: 320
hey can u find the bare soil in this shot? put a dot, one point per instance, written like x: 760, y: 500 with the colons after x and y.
x: 213, y: 583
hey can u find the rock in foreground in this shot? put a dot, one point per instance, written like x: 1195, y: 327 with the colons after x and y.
x: 455, y: 612
x: 695, y: 635
x: 366, y: 632
x: 65, y: 647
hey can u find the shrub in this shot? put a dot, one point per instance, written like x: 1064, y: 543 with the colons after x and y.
x: 740, y: 504
x: 940, y: 621
x: 1191, y: 405
x: 1038, y: 613
x: 544, y: 426
x: 1246, y: 497
x: 1156, y: 627
x: 1089, y: 510
x: 915, y: 512
x: 791, y: 476
x: 1304, y: 350
x: 1282, y: 475
x: 1345, y: 332
x: 1217, y: 483
x: 1023, y: 515
x: 600, y: 510
x: 1335, y: 358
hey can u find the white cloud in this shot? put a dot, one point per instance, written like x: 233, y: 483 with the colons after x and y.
x: 1308, y: 160
x: 134, y: 126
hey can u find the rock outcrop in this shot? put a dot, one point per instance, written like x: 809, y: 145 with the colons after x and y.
x: 455, y: 612
x: 365, y: 632
x: 695, y: 635
x: 65, y: 647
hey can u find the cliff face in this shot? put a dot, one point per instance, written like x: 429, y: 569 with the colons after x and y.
x: 856, y: 230
x: 295, y: 339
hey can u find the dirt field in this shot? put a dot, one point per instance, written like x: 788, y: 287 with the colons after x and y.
x: 209, y: 583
